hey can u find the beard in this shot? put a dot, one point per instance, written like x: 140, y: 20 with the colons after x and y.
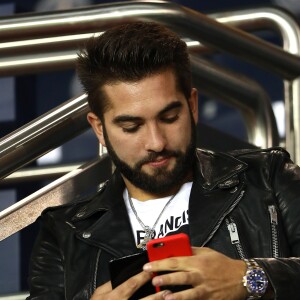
x: 162, y: 180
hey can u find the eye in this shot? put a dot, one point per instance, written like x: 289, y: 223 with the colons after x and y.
x: 169, y: 119
x: 131, y: 129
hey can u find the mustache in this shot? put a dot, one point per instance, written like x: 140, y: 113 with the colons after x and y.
x: 152, y: 156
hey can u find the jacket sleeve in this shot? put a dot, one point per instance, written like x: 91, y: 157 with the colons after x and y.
x: 46, y: 274
x: 284, y: 273
x: 284, y: 276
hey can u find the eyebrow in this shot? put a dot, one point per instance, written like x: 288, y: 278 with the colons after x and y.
x: 128, y: 118
x: 171, y: 106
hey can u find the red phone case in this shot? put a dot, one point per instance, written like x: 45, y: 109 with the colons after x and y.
x: 169, y: 246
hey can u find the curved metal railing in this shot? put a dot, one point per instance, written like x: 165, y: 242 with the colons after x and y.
x: 69, y: 119
x: 42, y: 135
x: 56, y: 29
x: 289, y: 31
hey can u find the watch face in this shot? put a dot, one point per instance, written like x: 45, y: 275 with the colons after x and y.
x: 257, y: 281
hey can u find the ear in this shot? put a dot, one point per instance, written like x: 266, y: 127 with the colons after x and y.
x: 97, y: 126
x: 193, y: 101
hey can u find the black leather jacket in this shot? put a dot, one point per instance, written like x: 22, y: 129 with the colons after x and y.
x: 256, y: 191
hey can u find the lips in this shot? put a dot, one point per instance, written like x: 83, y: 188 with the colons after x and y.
x: 156, y: 160
x: 159, y: 162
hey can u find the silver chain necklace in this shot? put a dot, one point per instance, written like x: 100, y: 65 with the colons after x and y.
x: 149, y: 231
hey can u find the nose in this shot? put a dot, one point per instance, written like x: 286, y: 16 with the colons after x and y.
x: 155, y: 138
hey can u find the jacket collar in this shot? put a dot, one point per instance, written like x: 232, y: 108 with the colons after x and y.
x: 216, y: 168
x: 104, y: 221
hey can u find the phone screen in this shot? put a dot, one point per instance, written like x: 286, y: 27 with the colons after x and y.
x: 123, y: 268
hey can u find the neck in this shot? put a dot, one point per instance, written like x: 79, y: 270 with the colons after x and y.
x: 142, y: 195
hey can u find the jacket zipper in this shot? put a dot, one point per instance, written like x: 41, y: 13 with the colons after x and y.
x: 234, y: 236
x: 274, y: 230
x: 96, y: 271
x: 237, y: 200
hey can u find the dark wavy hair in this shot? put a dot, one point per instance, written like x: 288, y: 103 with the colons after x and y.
x: 130, y: 52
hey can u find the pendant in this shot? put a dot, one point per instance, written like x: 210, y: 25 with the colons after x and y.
x: 149, y: 235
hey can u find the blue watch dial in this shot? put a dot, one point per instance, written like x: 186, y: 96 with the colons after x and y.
x: 257, y: 281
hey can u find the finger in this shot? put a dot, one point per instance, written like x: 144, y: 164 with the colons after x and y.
x: 201, y: 260
x: 158, y: 296
x: 191, y: 294
x: 170, y: 264
x: 177, y: 278
x: 105, y: 288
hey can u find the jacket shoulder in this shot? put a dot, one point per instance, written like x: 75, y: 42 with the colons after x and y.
x: 273, y: 151
x: 242, y: 159
x: 262, y: 157
x: 245, y: 154
x: 68, y: 210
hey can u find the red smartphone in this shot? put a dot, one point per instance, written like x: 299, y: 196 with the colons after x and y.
x: 169, y: 246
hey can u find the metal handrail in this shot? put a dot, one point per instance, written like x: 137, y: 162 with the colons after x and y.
x: 255, y: 108
x: 288, y: 29
x: 43, y: 134
x: 74, y: 185
x: 99, y: 17
x: 50, y: 130
x: 176, y: 16
x: 39, y: 173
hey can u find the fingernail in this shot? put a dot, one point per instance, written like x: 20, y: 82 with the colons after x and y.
x: 166, y: 293
x: 157, y: 281
x: 147, y: 267
x: 169, y: 296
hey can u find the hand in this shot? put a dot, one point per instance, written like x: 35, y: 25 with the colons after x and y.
x: 212, y: 275
x: 124, y: 290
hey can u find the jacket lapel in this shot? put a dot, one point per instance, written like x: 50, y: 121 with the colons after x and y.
x: 104, y: 222
x: 216, y: 190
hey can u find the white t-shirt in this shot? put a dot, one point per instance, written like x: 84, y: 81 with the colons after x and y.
x: 174, y: 216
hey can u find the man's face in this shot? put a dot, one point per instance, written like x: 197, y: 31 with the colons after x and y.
x: 149, y: 132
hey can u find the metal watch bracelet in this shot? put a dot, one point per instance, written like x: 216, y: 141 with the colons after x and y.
x: 255, y: 280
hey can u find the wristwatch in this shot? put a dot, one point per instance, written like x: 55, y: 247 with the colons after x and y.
x: 255, y: 280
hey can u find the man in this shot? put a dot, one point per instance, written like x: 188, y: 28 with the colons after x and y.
x: 234, y: 206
